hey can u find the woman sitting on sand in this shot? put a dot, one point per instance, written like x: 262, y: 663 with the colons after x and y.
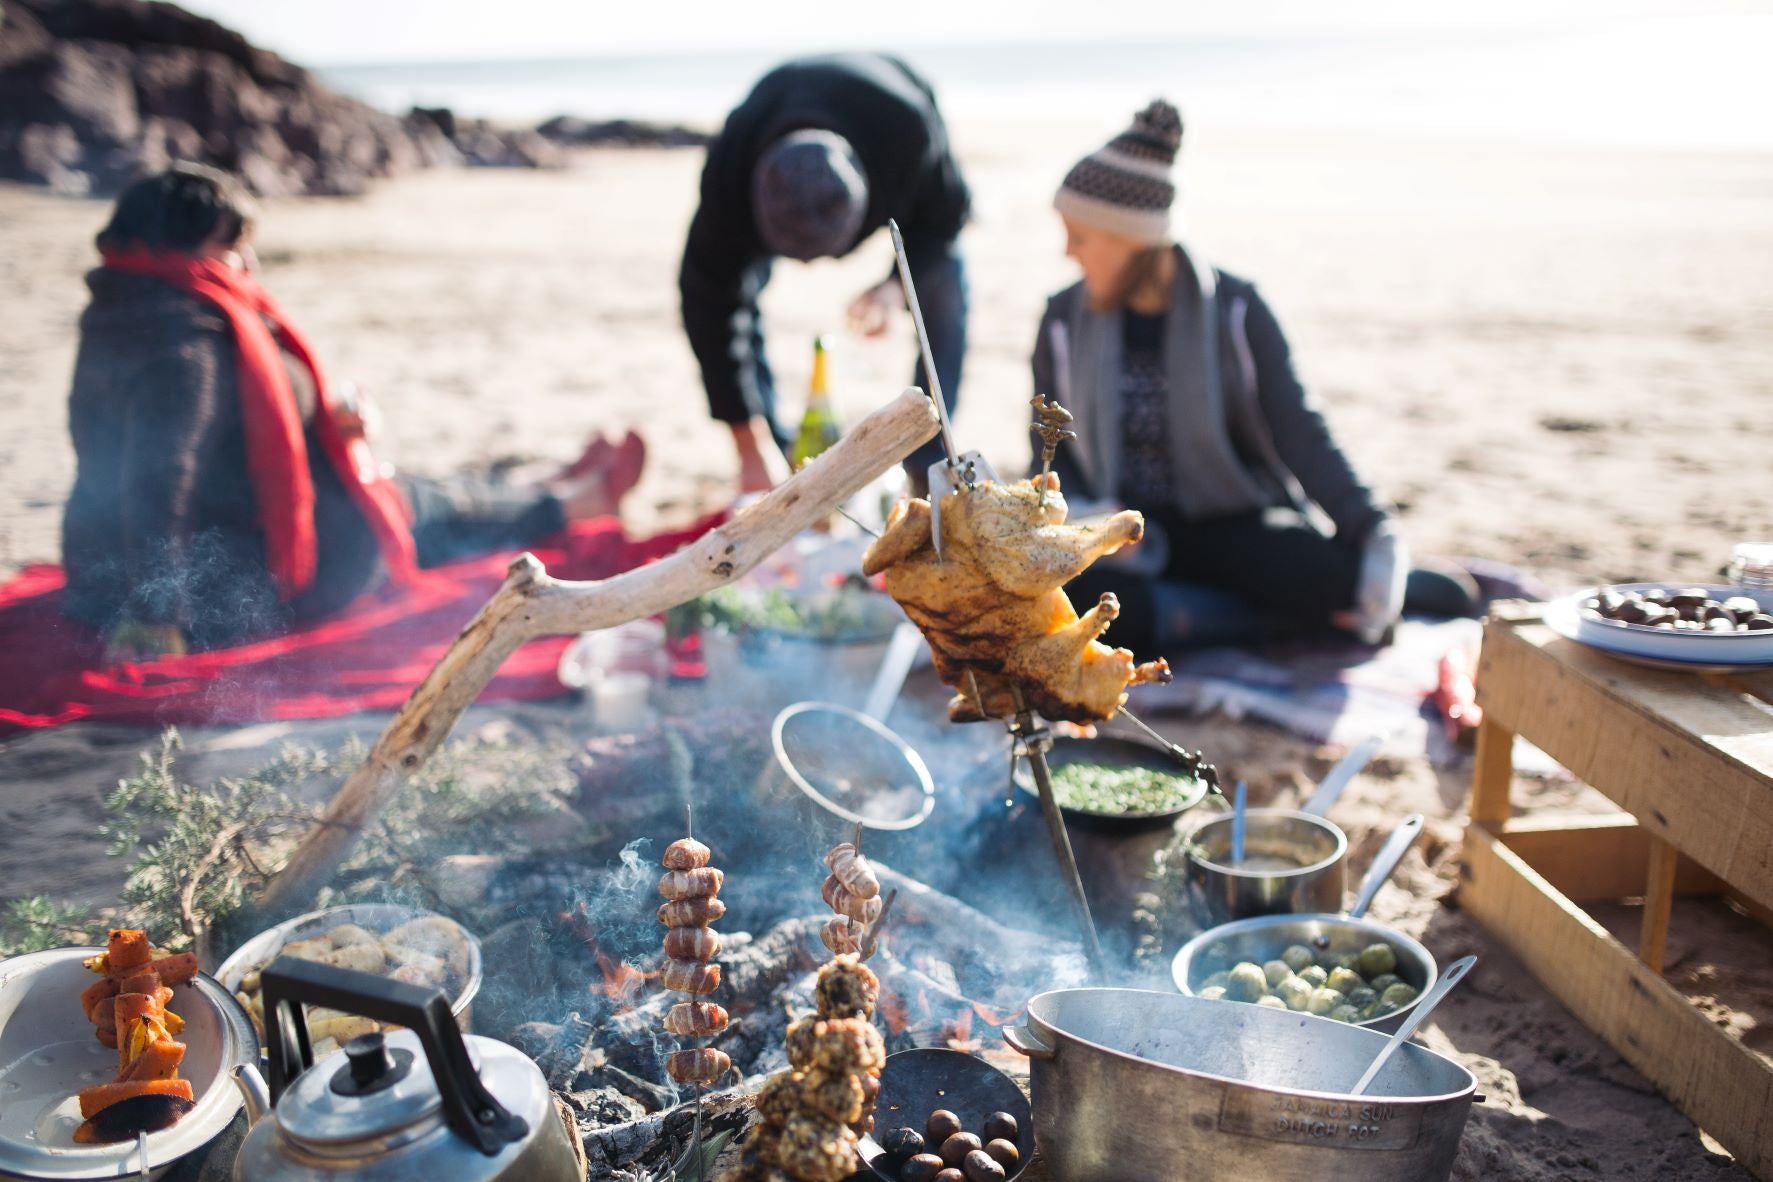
x: 222, y: 493
x: 1189, y: 410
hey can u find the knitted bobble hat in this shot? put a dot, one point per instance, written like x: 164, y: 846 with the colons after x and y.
x: 1124, y: 186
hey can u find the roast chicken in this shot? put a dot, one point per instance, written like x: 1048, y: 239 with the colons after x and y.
x: 993, y: 606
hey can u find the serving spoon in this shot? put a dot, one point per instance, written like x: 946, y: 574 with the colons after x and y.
x: 1449, y: 978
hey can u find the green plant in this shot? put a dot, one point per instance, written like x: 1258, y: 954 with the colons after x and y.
x: 35, y: 923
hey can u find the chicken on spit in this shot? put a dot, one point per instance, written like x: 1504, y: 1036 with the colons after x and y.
x: 993, y: 606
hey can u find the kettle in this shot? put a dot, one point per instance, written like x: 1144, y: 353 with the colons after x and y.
x: 424, y: 1102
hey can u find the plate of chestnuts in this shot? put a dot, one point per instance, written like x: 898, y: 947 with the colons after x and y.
x: 944, y: 1116
x: 1694, y: 628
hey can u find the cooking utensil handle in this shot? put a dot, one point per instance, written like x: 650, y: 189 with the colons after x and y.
x: 1329, y: 789
x: 1402, y: 838
x: 1022, y: 1039
x: 923, y: 342
x: 894, y: 667
x: 471, y: 1111
x: 1450, y: 977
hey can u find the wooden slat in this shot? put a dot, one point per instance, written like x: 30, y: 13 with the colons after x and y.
x: 1693, y: 762
x: 1598, y: 857
x: 1493, y: 773
x: 1658, y: 903
x: 1723, y: 1086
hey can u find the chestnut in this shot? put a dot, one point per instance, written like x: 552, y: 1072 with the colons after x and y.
x: 1741, y: 606
x: 980, y: 1166
x: 924, y: 1167
x: 1688, y: 597
x: 1721, y: 624
x: 1001, y: 1126
x: 954, y: 1150
x: 1634, y: 609
x: 951, y: 1175
x: 1758, y: 623
x: 942, y: 1125
x: 1654, y: 595
x: 903, y: 1143
x: 1004, y: 1152
x: 1607, y: 602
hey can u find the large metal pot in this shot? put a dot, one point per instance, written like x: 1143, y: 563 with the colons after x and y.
x: 1135, y: 1086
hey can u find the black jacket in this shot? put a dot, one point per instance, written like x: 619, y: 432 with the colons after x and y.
x: 888, y: 114
x: 162, y: 526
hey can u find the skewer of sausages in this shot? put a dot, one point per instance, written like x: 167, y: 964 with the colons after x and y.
x: 852, y: 890
x: 690, y: 887
x: 851, y: 869
x: 840, y: 900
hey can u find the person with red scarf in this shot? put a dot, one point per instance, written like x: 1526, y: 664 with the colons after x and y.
x: 224, y: 491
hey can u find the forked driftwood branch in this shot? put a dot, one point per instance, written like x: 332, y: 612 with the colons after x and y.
x: 530, y: 604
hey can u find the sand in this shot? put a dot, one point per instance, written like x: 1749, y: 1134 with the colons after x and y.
x: 1553, y: 357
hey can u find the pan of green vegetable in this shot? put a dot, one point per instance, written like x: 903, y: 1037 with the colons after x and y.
x: 1117, y: 784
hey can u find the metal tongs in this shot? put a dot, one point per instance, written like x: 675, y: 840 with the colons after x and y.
x: 961, y: 469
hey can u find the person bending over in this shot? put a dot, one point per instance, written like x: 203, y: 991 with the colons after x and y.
x: 223, y: 492
x: 816, y: 159
x: 1188, y: 409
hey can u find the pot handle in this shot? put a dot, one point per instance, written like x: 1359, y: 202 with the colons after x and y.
x: 1402, y: 838
x: 471, y: 1111
x: 1023, y: 1039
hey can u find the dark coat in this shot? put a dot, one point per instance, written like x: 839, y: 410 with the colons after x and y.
x: 162, y: 526
x: 888, y: 114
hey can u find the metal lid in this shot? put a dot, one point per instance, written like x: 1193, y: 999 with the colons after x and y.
x: 329, y: 1106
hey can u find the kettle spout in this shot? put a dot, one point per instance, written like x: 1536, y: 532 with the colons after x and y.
x: 252, y: 1090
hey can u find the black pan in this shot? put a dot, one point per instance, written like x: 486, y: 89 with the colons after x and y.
x: 1116, y: 751
x: 915, y: 1083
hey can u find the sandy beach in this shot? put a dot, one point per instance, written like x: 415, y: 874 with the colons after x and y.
x: 1558, y: 358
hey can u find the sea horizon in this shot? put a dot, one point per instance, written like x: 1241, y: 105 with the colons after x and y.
x: 1651, y: 83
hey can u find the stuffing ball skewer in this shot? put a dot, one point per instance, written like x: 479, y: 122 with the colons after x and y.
x: 690, y: 887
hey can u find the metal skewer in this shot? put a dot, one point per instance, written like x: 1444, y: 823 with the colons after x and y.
x: 1049, y: 423
x: 1034, y: 742
x: 689, y: 825
x: 1194, y: 761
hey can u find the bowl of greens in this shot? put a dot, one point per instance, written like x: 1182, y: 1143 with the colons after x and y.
x: 1117, y: 783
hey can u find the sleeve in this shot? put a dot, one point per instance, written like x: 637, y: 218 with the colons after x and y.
x: 169, y: 414
x: 1301, y: 435
x: 719, y: 313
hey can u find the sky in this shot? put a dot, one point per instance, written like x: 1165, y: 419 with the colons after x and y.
x: 336, y: 32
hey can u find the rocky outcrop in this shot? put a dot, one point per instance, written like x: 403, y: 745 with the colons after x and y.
x: 94, y: 93
x: 629, y: 133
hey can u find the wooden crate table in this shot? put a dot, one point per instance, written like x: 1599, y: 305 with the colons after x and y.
x: 1689, y: 758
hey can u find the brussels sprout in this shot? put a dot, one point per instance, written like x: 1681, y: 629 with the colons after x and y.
x: 1383, y: 982
x: 1361, y: 998
x: 1276, y: 971
x: 1212, y: 992
x: 1399, y: 995
x: 1248, y: 982
x: 1376, y: 959
x: 1298, y: 958
x: 1271, y: 1002
x: 1313, y: 976
x: 1344, y: 981
x: 1322, y: 1001
x: 1350, y: 961
x: 1219, y: 979
x: 1294, y: 992
x: 1344, y: 1013
x: 1381, y: 1009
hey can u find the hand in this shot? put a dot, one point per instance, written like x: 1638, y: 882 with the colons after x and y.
x: 132, y: 641
x: 872, y: 312
x: 761, y: 463
x: 1379, y: 593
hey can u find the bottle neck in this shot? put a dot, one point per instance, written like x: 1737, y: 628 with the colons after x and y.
x: 820, y: 386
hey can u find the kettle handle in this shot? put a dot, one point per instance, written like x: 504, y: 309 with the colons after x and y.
x: 470, y: 1109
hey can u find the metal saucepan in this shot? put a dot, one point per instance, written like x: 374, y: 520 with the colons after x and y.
x: 48, y: 1051
x: 915, y: 1083
x: 1133, y: 1086
x: 1263, y: 938
x: 1293, y: 861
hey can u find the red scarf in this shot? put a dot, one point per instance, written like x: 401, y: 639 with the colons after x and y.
x: 276, y: 447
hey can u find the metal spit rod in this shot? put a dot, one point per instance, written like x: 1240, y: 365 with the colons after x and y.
x: 923, y: 342
x: 1035, y: 741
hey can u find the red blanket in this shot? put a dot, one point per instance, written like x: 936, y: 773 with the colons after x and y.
x: 370, y: 657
